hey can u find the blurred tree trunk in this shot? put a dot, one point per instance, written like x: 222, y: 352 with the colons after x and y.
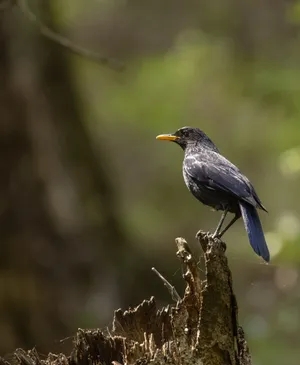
x: 58, y: 207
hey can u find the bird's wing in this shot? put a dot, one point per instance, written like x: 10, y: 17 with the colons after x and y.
x: 216, y: 172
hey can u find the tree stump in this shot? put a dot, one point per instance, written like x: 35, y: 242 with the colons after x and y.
x: 201, y: 328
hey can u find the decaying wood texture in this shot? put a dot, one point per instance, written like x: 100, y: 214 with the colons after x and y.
x: 200, y: 329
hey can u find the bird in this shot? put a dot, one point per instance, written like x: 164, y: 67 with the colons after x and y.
x: 218, y: 183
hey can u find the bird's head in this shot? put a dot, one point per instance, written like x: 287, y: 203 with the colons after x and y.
x: 188, y: 137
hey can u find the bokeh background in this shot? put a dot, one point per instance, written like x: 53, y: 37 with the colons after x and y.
x: 90, y: 201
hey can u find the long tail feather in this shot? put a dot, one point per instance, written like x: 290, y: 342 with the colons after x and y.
x: 255, y: 232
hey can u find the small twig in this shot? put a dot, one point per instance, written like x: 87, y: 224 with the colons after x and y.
x: 175, y: 296
x: 66, y: 339
x: 65, y: 42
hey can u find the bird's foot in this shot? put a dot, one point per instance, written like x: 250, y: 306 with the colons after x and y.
x: 206, y: 238
x: 202, y: 234
x: 216, y: 235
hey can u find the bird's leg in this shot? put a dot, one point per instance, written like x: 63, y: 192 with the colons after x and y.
x: 216, y: 234
x: 235, y: 218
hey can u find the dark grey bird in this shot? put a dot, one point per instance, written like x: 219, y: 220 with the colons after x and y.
x: 218, y: 183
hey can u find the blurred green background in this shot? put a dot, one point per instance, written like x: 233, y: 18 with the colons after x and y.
x: 90, y: 201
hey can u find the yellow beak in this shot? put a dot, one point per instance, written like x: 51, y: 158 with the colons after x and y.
x: 167, y: 137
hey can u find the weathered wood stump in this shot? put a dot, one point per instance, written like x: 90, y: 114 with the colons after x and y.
x: 201, y: 328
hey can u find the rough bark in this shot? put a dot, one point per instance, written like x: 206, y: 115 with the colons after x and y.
x: 201, y: 329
